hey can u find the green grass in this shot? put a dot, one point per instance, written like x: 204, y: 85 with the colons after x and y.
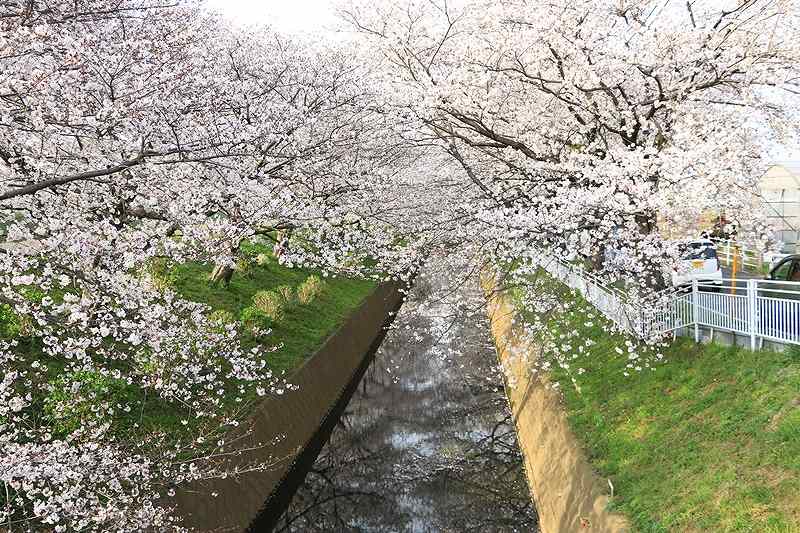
x: 708, y: 441
x: 302, y: 329
x: 149, y: 423
x: 298, y: 334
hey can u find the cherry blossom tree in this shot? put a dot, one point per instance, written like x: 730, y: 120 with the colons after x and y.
x: 133, y: 130
x: 107, y: 131
x: 585, y: 125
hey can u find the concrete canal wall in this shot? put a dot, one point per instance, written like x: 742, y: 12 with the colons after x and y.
x: 569, y: 496
x: 304, y: 418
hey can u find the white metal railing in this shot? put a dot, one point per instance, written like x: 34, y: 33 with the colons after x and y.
x: 747, y: 255
x: 760, y: 309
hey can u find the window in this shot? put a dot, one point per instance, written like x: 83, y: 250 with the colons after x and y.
x: 796, y: 272
x: 697, y: 250
x: 781, y: 271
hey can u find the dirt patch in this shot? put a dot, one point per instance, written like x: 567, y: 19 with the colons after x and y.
x: 776, y: 419
x: 568, y: 495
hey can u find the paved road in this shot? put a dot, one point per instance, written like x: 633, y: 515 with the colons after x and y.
x: 741, y: 274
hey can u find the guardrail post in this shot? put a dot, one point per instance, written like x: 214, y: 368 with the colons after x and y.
x: 695, y: 302
x: 752, y: 304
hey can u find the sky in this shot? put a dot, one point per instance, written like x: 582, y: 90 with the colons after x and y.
x: 289, y: 16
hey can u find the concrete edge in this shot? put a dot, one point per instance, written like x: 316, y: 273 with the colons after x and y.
x: 255, y: 500
x: 568, y: 494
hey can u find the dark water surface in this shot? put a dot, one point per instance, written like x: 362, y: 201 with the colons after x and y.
x: 426, y: 444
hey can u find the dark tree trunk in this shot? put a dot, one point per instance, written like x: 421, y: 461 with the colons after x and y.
x: 599, y: 258
x: 221, y: 274
x: 653, y: 275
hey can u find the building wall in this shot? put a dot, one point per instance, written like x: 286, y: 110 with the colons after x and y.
x: 780, y: 191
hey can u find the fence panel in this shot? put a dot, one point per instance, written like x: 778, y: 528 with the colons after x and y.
x: 758, y: 308
x: 778, y: 319
x: 747, y: 255
x: 723, y: 311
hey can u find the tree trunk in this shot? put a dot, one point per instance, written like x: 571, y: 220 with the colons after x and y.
x: 599, y: 258
x: 653, y: 275
x: 221, y: 274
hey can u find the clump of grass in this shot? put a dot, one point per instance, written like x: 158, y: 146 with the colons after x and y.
x: 271, y: 303
x: 311, y: 289
x: 288, y: 295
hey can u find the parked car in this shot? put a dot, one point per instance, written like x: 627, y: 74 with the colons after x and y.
x: 698, y: 262
x: 787, y: 269
x: 773, y: 258
x: 777, y: 316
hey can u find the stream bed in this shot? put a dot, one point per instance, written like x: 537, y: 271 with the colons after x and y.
x: 427, y: 442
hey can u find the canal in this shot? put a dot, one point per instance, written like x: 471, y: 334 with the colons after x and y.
x: 427, y: 443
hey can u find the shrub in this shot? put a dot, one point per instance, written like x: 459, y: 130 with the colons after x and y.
x: 271, y: 303
x: 253, y: 319
x: 222, y: 316
x: 244, y: 267
x: 251, y: 316
x: 262, y: 259
x: 288, y: 294
x: 310, y: 289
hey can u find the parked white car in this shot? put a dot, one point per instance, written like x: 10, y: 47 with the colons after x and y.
x: 698, y: 262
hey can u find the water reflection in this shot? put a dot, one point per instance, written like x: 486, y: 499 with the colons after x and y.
x: 426, y: 444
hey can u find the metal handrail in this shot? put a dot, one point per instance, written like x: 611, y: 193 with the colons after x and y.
x: 752, y: 254
x: 751, y: 307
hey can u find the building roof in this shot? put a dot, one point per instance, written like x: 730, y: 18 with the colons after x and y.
x: 781, y: 175
x: 791, y: 166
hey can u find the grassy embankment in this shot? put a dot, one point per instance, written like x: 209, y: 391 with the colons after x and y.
x: 302, y: 328
x: 298, y: 331
x: 708, y: 441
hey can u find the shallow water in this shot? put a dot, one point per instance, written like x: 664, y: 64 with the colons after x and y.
x: 426, y: 443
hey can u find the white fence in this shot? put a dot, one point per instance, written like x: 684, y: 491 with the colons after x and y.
x: 748, y: 256
x: 744, y: 255
x: 759, y: 309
